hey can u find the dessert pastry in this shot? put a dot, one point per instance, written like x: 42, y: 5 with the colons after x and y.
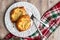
x: 23, y: 23
x: 16, y: 13
x: 21, y: 19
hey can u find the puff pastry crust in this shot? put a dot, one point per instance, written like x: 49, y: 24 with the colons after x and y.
x: 16, y: 13
x: 23, y: 23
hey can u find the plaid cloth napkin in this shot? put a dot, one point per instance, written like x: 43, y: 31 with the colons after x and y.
x: 51, y: 18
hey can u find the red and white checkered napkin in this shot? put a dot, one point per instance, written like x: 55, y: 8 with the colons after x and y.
x: 51, y: 18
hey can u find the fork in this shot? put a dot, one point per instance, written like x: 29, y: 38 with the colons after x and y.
x: 39, y: 20
x: 33, y: 17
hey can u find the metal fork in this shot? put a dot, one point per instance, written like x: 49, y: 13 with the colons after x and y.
x: 32, y: 17
x: 39, y: 20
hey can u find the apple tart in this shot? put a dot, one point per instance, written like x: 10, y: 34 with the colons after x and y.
x: 16, y: 13
x: 23, y: 23
x: 21, y: 19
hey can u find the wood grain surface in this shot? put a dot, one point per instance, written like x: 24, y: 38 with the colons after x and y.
x: 42, y: 6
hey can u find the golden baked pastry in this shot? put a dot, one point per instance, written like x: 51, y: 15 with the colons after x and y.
x: 16, y: 13
x: 23, y: 23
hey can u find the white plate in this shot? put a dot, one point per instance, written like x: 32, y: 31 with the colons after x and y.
x: 29, y: 8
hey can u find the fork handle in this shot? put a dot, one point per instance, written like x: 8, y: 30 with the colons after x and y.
x: 42, y: 22
x: 37, y: 28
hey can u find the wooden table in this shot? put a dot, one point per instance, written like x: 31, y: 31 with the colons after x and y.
x: 42, y: 5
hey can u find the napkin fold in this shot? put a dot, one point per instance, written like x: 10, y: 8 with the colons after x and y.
x: 52, y: 18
